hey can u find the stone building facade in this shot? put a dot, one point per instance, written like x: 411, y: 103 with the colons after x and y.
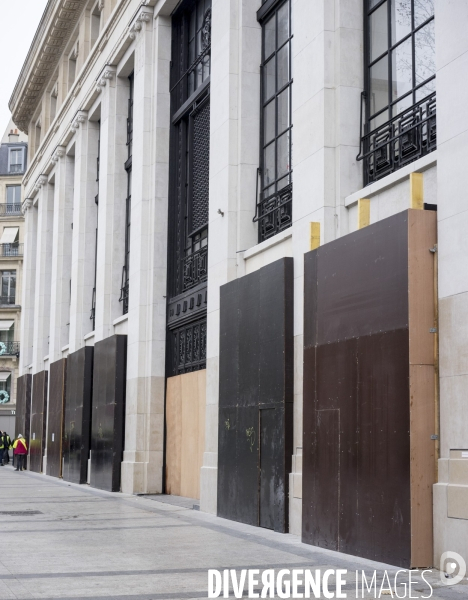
x: 184, y: 157
x: 13, y: 164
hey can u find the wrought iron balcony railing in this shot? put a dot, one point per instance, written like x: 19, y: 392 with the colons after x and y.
x: 400, y: 141
x: 274, y: 213
x: 10, y: 209
x: 195, y: 268
x: 16, y: 168
x: 9, y: 348
x: 15, y: 249
x: 7, y: 300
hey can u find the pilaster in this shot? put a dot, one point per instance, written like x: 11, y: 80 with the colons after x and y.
x: 112, y: 194
x: 144, y: 429
x: 84, y: 240
x: 61, y: 253
x: 43, y: 255
x: 223, y: 215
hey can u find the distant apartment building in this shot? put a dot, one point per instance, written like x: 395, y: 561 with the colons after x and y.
x: 13, y: 163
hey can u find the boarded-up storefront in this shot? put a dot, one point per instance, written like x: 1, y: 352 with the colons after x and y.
x: 368, y: 464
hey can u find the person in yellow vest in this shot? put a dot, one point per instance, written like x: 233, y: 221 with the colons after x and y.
x: 20, y: 450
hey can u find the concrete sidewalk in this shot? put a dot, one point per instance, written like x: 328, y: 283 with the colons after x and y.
x: 65, y: 541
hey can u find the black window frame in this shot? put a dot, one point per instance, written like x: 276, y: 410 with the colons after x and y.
x: 409, y: 134
x: 188, y: 235
x: 125, y: 287
x: 273, y: 210
x: 96, y: 201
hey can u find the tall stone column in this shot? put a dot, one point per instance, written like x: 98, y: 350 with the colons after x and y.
x: 61, y: 253
x: 42, y: 290
x: 28, y: 285
x: 222, y: 246
x: 84, y: 229
x: 144, y: 424
x: 112, y: 194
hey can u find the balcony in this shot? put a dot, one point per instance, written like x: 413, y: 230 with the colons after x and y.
x: 16, y: 168
x: 406, y: 137
x: 9, y: 210
x: 274, y: 213
x: 11, y: 250
x: 9, y: 349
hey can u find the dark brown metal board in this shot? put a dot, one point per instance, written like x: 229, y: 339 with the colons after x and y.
x: 23, y: 406
x: 57, y: 393
x: 38, y: 421
x: 256, y: 375
x: 356, y: 446
x: 108, y: 412
x: 77, y: 426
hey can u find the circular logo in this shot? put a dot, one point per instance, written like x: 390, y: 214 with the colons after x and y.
x: 452, y: 568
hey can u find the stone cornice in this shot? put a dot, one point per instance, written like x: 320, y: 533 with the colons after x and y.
x: 59, y: 19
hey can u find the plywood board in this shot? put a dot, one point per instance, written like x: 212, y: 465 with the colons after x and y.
x: 185, y: 433
x: 422, y: 236
x: 173, y: 434
x: 422, y: 463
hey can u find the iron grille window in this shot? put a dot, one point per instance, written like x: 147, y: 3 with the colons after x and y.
x: 189, y: 176
x: 400, y: 99
x: 124, y: 291
x: 191, y: 49
x: 274, y: 207
x: 189, y: 347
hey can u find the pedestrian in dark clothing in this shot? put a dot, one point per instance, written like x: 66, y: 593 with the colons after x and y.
x: 20, y: 450
x: 7, y: 446
x: 2, y: 447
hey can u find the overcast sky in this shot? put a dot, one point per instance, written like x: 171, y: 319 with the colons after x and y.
x: 19, y: 20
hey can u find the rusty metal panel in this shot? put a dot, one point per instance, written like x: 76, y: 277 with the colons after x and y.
x: 256, y: 374
x: 108, y: 412
x: 57, y: 393
x: 356, y: 446
x: 38, y: 421
x: 23, y: 406
x: 77, y: 418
